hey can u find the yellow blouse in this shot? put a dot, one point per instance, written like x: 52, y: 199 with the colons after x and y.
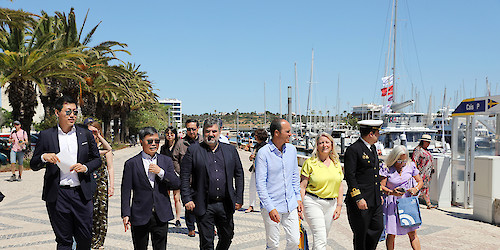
x: 323, y: 181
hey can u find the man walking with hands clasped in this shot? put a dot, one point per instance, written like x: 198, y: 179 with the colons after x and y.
x: 149, y: 175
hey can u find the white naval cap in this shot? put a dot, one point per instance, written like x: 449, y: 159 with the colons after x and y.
x: 372, y: 124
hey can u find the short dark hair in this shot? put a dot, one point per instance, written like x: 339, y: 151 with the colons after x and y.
x: 147, y: 131
x: 261, y: 134
x: 62, y: 100
x: 209, y: 122
x: 192, y: 120
x: 364, y: 131
x: 276, y: 125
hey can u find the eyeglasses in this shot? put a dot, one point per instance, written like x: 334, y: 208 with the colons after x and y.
x: 68, y: 112
x: 150, y: 141
x: 400, y: 161
x: 191, y: 129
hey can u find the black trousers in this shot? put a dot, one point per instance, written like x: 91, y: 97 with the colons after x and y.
x: 367, y: 225
x: 190, y: 219
x: 158, y: 230
x: 216, y: 215
x: 71, y: 216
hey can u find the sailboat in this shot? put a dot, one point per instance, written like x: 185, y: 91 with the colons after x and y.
x: 399, y: 128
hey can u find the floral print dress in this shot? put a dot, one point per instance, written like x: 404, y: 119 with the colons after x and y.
x: 100, y: 199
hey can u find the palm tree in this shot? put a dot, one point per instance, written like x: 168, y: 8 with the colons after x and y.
x: 25, y: 63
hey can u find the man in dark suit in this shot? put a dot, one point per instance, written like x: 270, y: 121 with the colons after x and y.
x: 213, y: 167
x: 67, y: 191
x: 363, y: 200
x: 150, y: 176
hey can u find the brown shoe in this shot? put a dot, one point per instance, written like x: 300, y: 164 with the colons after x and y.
x: 191, y: 233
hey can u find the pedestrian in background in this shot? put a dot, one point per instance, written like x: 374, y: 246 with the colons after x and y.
x: 180, y: 150
x: 321, y: 189
x: 400, y: 179
x: 424, y: 161
x: 19, y: 143
x: 104, y: 178
x: 261, y: 138
x: 278, y: 185
x: 167, y: 149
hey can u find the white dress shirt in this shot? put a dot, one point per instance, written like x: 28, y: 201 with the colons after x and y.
x: 69, y: 143
x: 148, y: 160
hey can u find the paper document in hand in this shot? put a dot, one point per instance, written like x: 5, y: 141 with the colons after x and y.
x: 66, y: 161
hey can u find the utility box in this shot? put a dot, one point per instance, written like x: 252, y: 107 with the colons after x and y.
x: 486, y: 188
x: 440, y: 186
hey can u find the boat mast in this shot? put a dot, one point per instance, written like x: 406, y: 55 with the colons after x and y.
x: 394, y: 55
x: 297, y: 102
x: 310, y: 88
x: 265, y: 113
x: 281, y: 113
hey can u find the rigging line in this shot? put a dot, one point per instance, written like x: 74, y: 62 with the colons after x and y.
x: 416, y: 51
x: 376, y: 92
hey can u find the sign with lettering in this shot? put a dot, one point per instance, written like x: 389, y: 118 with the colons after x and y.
x: 478, y: 106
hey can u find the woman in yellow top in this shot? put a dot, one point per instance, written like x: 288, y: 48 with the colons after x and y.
x: 321, y: 189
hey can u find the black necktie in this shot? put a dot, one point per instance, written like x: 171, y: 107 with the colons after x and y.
x: 374, y: 150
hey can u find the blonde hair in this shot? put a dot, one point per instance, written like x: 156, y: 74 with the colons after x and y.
x: 333, y: 153
x: 397, y: 152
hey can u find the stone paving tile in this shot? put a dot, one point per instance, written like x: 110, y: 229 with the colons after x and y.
x: 24, y: 223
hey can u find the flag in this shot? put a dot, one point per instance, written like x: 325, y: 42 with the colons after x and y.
x: 384, y: 91
x: 387, y: 80
x: 390, y: 90
x: 390, y: 98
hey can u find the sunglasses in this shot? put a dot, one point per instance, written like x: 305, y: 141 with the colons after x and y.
x: 400, y: 161
x: 150, y: 141
x: 68, y: 112
x: 191, y: 129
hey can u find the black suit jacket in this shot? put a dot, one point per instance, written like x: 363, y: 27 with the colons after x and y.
x: 146, y: 197
x: 194, y: 166
x: 88, y: 155
x: 362, y: 174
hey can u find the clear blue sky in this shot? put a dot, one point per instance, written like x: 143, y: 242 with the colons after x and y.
x: 216, y: 55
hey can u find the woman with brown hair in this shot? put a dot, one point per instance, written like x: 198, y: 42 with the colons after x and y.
x: 424, y: 161
x: 102, y: 175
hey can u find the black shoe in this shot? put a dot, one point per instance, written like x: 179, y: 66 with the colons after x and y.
x: 177, y: 223
x: 12, y: 178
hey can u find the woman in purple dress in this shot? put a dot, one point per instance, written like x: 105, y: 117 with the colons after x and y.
x: 400, y: 178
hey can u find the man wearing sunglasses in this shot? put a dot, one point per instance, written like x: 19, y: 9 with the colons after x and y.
x: 67, y: 191
x: 363, y: 199
x: 149, y: 175
x: 180, y: 149
x: 208, y: 172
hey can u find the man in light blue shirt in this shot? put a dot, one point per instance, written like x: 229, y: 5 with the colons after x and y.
x: 278, y: 185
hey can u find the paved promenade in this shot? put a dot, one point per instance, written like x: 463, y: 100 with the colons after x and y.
x: 24, y: 223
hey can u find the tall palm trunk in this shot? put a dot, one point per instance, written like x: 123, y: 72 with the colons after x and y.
x: 22, y: 99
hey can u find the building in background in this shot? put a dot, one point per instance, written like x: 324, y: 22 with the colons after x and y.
x: 175, y: 111
x: 367, y: 111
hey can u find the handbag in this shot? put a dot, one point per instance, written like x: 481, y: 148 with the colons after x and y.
x: 303, y: 243
x: 409, y: 212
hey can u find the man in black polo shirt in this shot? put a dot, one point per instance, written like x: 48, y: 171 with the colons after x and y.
x: 212, y: 166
